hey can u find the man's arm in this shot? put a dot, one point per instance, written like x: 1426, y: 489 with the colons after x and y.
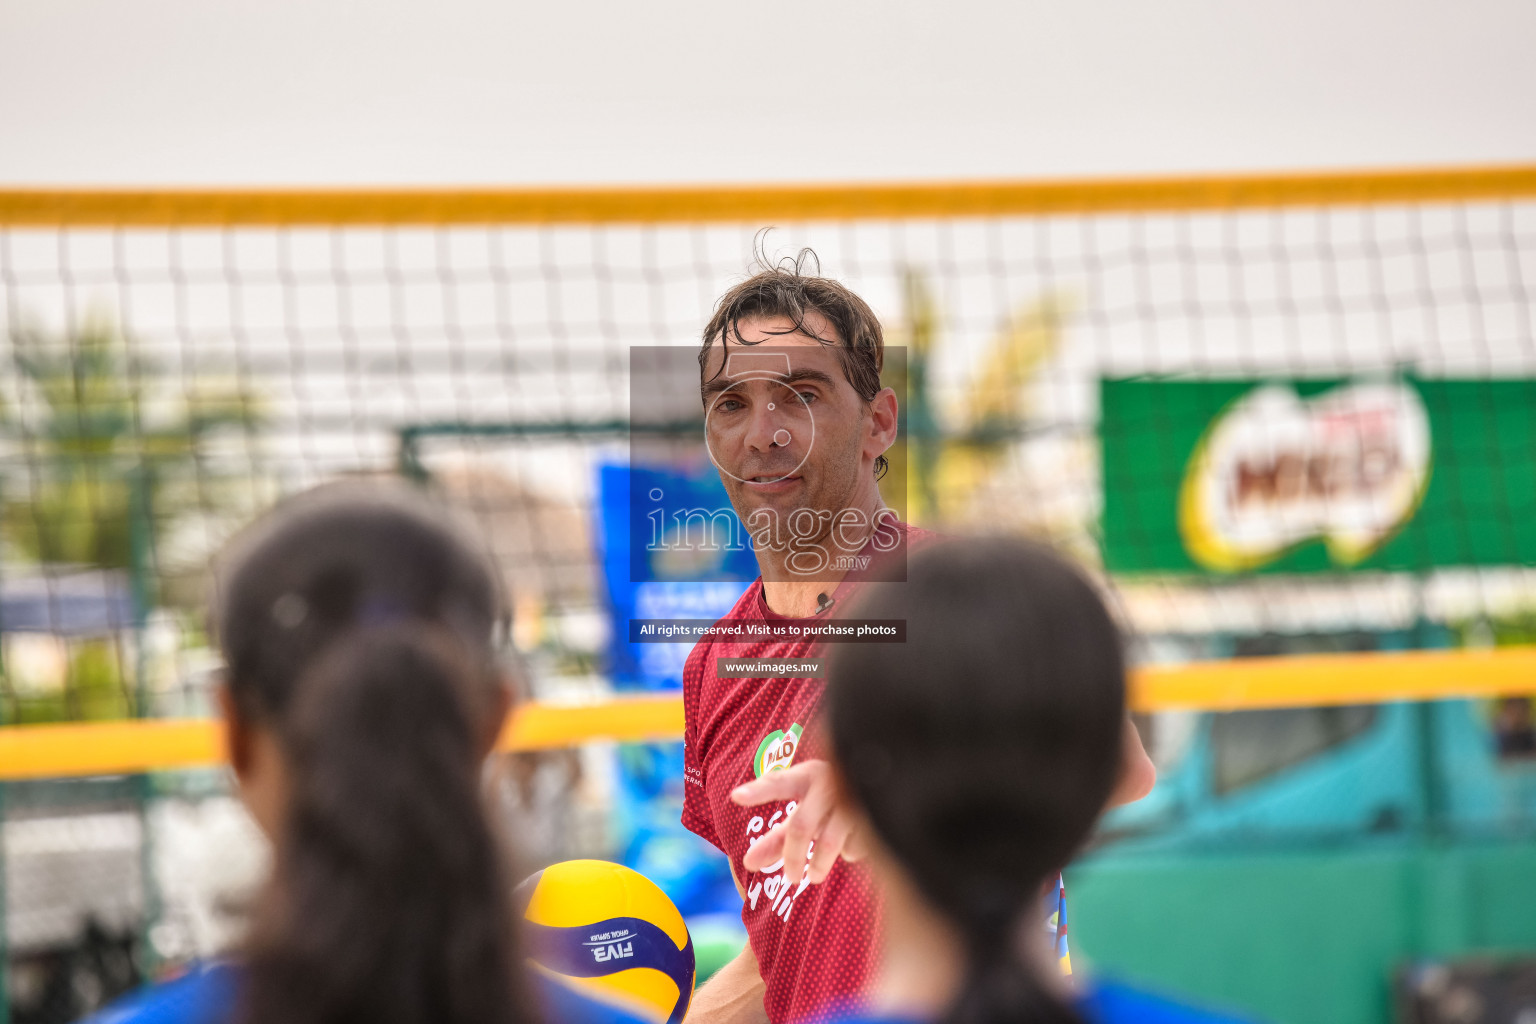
x: 820, y: 819
x: 735, y: 994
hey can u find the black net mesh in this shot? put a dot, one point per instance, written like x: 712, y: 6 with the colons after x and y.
x: 158, y: 387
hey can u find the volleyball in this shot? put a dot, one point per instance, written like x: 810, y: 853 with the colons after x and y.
x: 612, y: 934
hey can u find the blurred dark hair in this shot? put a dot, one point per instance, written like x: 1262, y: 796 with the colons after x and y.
x: 359, y: 626
x: 984, y: 748
x: 786, y: 288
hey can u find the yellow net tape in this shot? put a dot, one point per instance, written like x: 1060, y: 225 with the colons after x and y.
x: 112, y: 748
x: 341, y: 207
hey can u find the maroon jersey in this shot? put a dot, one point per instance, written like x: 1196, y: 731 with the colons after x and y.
x: 816, y: 945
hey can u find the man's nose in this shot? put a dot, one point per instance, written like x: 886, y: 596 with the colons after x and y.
x: 768, y: 426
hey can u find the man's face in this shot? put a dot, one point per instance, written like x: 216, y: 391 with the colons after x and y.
x: 784, y: 427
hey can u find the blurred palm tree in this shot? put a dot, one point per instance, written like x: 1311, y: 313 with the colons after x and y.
x: 956, y: 452
x: 103, y: 453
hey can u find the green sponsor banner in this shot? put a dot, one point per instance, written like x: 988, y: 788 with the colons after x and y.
x: 1241, y: 476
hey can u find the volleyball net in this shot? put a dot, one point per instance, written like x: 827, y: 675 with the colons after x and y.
x: 1289, y: 416
x: 1090, y: 356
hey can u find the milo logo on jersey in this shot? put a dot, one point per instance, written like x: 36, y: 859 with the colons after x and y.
x: 777, y: 750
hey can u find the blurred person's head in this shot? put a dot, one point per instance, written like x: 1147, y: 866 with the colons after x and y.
x: 1515, y: 712
x: 980, y: 752
x: 796, y: 417
x: 363, y: 694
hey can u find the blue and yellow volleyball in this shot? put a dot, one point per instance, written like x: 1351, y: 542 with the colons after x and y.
x: 612, y: 934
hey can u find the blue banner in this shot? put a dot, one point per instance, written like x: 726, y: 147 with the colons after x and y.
x: 649, y: 580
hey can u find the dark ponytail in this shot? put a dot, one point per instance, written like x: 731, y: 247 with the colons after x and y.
x: 358, y: 627
x: 983, y: 749
x: 1002, y: 990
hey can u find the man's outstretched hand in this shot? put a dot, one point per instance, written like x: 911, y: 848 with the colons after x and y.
x: 819, y: 828
x: 816, y: 819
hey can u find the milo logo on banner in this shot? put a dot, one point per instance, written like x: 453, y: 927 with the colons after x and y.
x: 1349, y: 466
x: 776, y: 751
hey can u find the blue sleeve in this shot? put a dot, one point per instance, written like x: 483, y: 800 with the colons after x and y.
x: 204, y: 995
x: 1110, y: 1003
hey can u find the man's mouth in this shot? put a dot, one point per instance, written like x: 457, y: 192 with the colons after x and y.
x: 771, y: 481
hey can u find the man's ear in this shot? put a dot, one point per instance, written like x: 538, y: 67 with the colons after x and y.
x: 238, y: 741
x: 882, y: 422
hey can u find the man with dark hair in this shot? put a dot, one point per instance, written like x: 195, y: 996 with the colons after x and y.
x: 798, y: 425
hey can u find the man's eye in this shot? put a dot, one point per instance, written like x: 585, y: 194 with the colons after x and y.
x: 728, y: 405
x: 806, y: 397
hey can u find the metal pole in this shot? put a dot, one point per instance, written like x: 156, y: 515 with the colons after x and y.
x: 1426, y: 742
x: 5, y: 916
x: 141, y: 544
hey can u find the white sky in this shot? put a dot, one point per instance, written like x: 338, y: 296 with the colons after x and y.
x: 166, y: 92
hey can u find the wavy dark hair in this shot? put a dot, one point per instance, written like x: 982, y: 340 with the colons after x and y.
x: 360, y: 627
x: 792, y: 288
x: 984, y: 748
